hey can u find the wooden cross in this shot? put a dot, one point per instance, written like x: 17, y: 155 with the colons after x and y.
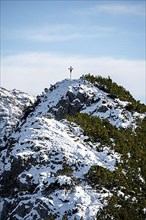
x: 70, y: 70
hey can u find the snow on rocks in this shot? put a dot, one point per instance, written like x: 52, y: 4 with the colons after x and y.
x: 72, y: 96
x: 59, y: 166
x: 44, y: 166
x: 64, y: 180
x: 12, y: 106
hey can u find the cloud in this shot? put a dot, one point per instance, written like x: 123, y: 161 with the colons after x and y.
x: 114, y: 8
x: 129, y: 9
x: 62, y: 32
x: 32, y: 72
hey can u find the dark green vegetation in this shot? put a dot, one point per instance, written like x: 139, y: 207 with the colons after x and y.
x: 127, y: 182
x: 115, y: 91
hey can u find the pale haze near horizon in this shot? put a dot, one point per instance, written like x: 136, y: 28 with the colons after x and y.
x: 41, y: 39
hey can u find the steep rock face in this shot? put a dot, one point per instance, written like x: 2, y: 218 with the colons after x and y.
x: 12, y: 107
x: 44, y: 167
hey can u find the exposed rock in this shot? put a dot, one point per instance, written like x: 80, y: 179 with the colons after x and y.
x: 81, y: 96
x: 71, y: 96
x: 102, y: 108
x: 63, y: 102
x: 6, y: 207
x: 13, y: 105
x: 75, y: 107
x: 61, y: 112
x: 42, y: 208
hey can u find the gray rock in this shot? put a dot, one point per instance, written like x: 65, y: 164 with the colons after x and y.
x: 28, y: 185
x: 88, y: 101
x: 70, y: 95
x: 102, y: 108
x: 63, y: 102
x: 75, y: 107
x: 61, y: 112
x: 81, y: 96
x: 5, y: 210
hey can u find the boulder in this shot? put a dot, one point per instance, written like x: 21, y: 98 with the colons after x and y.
x: 75, y: 107
x: 70, y: 95
x: 81, y: 96
x: 63, y: 102
x: 102, y: 109
x: 61, y: 112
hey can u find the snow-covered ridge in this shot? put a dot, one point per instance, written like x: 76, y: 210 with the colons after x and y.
x: 12, y: 105
x: 72, y: 96
x: 44, y: 165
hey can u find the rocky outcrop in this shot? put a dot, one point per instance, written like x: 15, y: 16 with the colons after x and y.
x: 102, y: 108
x: 71, y: 104
x: 13, y: 105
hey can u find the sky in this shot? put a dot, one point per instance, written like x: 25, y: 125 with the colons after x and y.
x: 40, y: 39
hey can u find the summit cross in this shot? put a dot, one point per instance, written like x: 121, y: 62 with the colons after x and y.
x: 70, y: 70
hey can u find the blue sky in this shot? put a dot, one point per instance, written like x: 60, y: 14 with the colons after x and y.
x: 41, y: 39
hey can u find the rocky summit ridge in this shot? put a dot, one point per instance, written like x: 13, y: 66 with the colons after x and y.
x: 47, y: 158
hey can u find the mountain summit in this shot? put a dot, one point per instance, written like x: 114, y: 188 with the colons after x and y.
x: 75, y: 152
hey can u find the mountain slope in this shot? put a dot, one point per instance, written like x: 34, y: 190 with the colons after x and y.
x: 49, y: 164
x: 72, y: 96
x: 12, y: 106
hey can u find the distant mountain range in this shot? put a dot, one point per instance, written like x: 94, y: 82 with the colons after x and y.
x: 77, y: 151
